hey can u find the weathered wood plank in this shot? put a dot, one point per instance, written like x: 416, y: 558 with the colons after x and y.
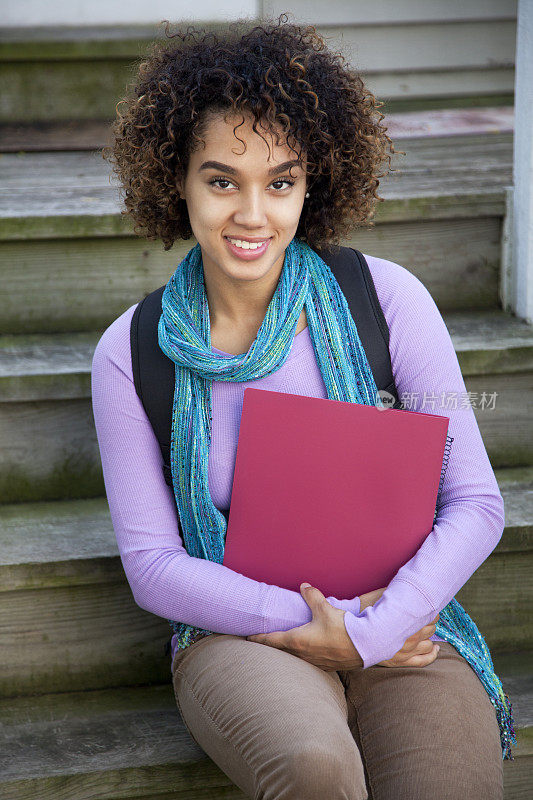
x: 46, y: 367
x: 518, y: 502
x: 57, y: 366
x: 480, y: 43
x: 79, y: 637
x: 111, y: 745
x: 55, y: 90
x: 506, y: 428
x: 457, y: 260
x: 502, y: 613
x: 56, y: 184
x: 71, y: 42
x: 50, y: 450
x: 199, y: 782
x: 131, y: 743
x: 490, y: 341
x: 450, y: 122
x: 62, y: 559
x: 440, y: 165
x: 94, y: 135
x: 46, y: 75
x: 56, y: 544
x: 54, y: 136
x: 72, y: 543
x: 62, y: 90
x: 426, y: 46
x: 93, y: 281
x: 337, y: 12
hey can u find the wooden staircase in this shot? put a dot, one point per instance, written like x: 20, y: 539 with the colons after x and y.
x: 90, y: 712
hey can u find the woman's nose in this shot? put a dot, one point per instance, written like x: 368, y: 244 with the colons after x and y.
x: 251, y: 210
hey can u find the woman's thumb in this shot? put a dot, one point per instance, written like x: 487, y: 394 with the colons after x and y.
x: 310, y: 593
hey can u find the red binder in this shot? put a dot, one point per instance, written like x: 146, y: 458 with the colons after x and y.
x: 337, y: 494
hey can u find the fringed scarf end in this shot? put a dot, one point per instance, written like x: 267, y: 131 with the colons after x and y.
x: 504, y: 715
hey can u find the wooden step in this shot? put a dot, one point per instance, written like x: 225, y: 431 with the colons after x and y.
x: 57, y: 366
x: 50, y: 450
x: 441, y: 218
x: 55, y: 136
x: 45, y: 193
x: 94, y: 134
x: 130, y: 743
x: 69, y: 620
x: 49, y: 72
x: 61, y: 559
x: 105, y: 745
x: 63, y: 73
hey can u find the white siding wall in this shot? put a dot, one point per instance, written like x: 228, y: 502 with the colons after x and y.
x: 418, y: 48
x: 33, y: 13
x: 405, y: 48
x: 387, y: 12
x: 521, y: 283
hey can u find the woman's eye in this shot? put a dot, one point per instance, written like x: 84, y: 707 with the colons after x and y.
x: 218, y: 181
x: 283, y: 180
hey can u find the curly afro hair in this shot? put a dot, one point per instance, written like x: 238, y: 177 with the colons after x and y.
x: 283, y: 75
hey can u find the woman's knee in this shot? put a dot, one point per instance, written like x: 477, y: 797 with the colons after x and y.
x: 430, y: 731
x: 318, y: 771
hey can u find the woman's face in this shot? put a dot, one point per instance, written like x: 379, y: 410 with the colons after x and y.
x: 247, y: 196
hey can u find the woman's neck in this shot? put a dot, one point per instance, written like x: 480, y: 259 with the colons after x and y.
x: 237, y: 310
x: 237, y: 340
x: 239, y: 303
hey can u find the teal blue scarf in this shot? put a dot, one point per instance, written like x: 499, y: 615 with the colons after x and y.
x: 185, y: 337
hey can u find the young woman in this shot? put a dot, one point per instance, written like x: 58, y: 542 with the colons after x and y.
x: 266, y: 146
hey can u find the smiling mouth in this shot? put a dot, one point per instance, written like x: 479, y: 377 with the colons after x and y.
x: 246, y: 251
x: 245, y: 244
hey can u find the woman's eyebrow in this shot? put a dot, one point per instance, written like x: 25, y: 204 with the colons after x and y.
x: 232, y: 171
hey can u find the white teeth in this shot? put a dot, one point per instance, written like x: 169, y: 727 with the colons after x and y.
x: 246, y: 245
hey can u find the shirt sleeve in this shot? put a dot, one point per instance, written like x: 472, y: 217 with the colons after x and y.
x: 163, y: 578
x: 470, y: 518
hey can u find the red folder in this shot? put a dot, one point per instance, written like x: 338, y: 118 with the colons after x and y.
x: 337, y: 494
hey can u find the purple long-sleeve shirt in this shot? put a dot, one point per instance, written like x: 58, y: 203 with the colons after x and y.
x: 168, y: 582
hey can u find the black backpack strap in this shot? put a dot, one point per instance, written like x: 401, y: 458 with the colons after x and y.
x: 355, y: 280
x: 154, y: 375
x: 153, y: 371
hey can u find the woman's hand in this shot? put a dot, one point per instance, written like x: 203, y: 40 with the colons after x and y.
x: 323, y: 642
x: 418, y: 650
x: 370, y: 598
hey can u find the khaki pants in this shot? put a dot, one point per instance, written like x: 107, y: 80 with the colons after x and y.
x: 281, y: 728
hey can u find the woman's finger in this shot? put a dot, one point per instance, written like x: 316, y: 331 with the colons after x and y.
x: 429, y: 629
x: 416, y: 659
x: 420, y: 636
x: 423, y: 647
x: 416, y: 648
x: 424, y: 659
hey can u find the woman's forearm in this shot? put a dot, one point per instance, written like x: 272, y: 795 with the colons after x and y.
x: 470, y: 518
x: 164, y: 579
